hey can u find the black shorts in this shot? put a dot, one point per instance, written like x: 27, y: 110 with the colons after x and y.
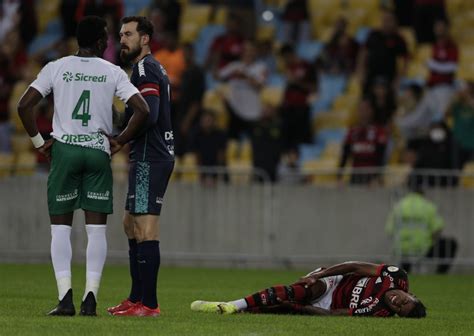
x: 147, y: 183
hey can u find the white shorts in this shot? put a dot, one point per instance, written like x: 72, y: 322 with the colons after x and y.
x: 325, y: 300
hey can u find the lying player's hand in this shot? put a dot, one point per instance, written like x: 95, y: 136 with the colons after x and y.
x: 46, y: 149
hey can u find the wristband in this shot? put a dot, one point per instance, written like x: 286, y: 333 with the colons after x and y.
x: 37, y: 140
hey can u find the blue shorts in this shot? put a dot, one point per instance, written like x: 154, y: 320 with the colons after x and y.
x: 147, y: 183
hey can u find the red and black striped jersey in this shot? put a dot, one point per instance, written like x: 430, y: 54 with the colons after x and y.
x: 364, y: 296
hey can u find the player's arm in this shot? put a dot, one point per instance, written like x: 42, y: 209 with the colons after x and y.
x: 138, y: 119
x: 355, y: 267
x: 27, y: 114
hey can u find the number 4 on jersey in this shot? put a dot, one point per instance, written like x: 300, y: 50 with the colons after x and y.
x: 81, y: 111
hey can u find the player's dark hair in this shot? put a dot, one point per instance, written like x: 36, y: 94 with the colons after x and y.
x: 419, y: 311
x: 144, y: 26
x: 90, y: 30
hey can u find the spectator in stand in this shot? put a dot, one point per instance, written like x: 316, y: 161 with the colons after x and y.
x: 383, y: 101
x: 67, y: 11
x: 100, y: 8
x: 462, y: 112
x: 227, y: 47
x: 9, y: 18
x: 171, y: 56
x: 442, y: 65
x: 28, y: 21
x: 246, y: 78
x: 267, y: 55
x: 158, y: 40
x: 267, y: 141
x: 340, y: 52
x: 172, y: 11
x: 296, y: 110
x: 296, y: 24
x: 186, y: 117
x: 209, y: 144
x: 425, y: 14
x: 365, y: 143
x: 381, y: 53
x: 7, y: 80
x: 113, y: 45
x: 435, y: 152
x: 412, y: 119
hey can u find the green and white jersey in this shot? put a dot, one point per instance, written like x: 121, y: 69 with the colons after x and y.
x: 83, y: 90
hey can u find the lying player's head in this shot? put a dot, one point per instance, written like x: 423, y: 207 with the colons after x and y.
x: 136, y: 32
x: 92, y: 34
x: 404, y: 304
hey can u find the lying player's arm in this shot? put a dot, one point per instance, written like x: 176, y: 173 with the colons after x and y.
x: 310, y: 310
x: 356, y: 267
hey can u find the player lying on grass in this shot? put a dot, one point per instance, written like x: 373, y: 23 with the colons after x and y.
x: 351, y: 288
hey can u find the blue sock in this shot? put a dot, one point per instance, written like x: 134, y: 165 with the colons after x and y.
x: 149, y: 264
x: 136, y: 290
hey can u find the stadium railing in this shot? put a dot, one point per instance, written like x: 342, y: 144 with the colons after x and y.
x: 242, y: 219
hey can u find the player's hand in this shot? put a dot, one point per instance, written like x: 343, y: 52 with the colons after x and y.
x: 115, y: 146
x: 46, y: 149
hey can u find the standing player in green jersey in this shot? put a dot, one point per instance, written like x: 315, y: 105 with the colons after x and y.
x: 80, y: 177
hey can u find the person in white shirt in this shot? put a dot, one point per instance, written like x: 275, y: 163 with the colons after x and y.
x: 80, y: 177
x: 246, y: 78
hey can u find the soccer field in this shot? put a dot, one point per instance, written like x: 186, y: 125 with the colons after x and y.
x: 28, y: 291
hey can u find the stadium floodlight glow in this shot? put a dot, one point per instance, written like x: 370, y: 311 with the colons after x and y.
x: 267, y: 15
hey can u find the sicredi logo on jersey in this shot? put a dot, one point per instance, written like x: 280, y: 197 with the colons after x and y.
x: 81, y: 77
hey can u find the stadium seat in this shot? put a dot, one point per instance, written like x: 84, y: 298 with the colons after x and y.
x: 120, y: 167
x: 265, y: 33
x: 189, y: 168
x: 409, y: 35
x: 331, y: 120
x: 240, y: 172
x: 213, y: 100
x: 205, y: 38
x: 26, y: 163
x: 271, y: 95
x: 220, y: 16
x: 423, y: 53
x: 321, y: 172
x: 21, y: 143
x: 276, y: 80
x: 193, y: 18
x: 52, y: 34
x: 6, y: 164
x: 362, y: 34
x: 332, y: 151
x: 396, y: 175
x: 309, y: 50
x: 46, y: 11
x: 467, y: 177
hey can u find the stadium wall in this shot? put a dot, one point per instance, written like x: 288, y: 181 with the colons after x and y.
x: 249, y: 225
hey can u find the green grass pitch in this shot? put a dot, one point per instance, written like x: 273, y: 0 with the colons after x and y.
x: 27, y: 292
